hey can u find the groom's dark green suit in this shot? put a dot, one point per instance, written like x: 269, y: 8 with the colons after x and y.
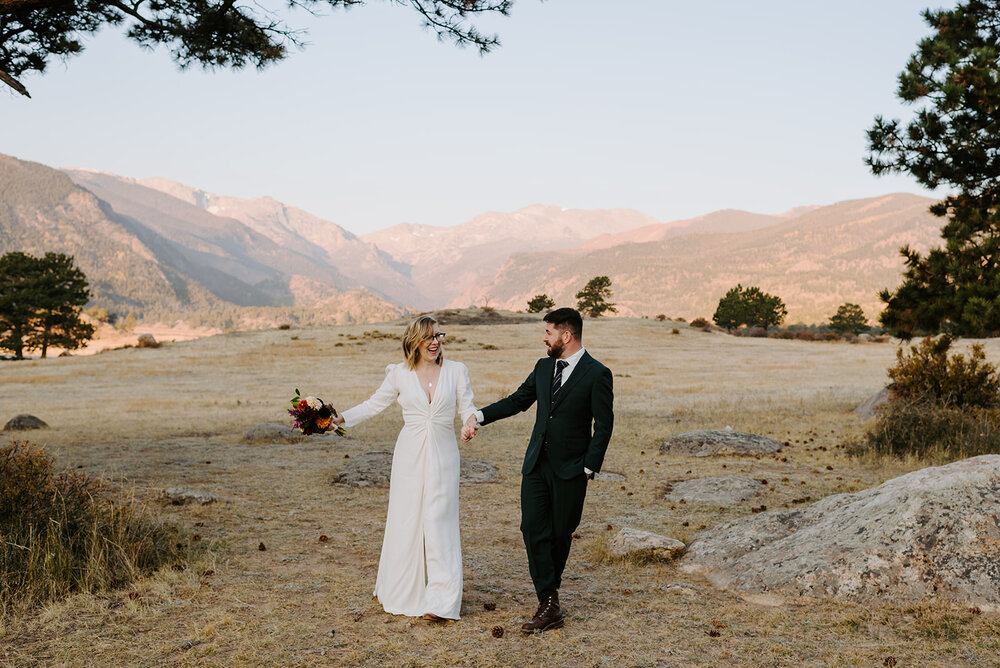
x: 571, y: 432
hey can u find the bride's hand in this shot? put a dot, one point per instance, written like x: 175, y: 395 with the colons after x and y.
x: 339, y: 420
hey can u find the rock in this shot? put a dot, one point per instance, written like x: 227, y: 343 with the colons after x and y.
x: 180, y: 496
x: 609, y: 476
x: 147, y: 341
x: 374, y: 469
x: 371, y: 469
x: 929, y: 533
x: 718, y: 491
x: 633, y: 542
x: 868, y: 409
x: 272, y: 432
x: 477, y: 471
x: 705, y: 442
x: 24, y: 422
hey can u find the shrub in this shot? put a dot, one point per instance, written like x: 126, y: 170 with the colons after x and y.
x: 806, y: 335
x: 701, y: 323
x: 680, y: 319
x: 660, y: 317
x: 675, y: 331
x: 831, y: 336
x: 62, y: 532
x: 925, y: 373
x: 934, y: 432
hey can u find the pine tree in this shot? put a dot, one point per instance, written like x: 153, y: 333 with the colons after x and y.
x: 40, y: 302
x: 540, y: 303
x: 212, y: 33
x: 952, y: 141
x: 18, y: 294
x: 731, y: 311
x: 62, y: 292
x: 593, y: 299
x: 849, y: 318
x: 749, y: 306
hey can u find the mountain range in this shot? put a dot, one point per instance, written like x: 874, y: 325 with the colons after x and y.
x: 163, y: 250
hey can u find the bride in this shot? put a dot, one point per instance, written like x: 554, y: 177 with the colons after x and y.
x: 420, y: 570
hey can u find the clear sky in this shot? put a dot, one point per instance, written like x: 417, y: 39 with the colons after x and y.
x: 672, y: 108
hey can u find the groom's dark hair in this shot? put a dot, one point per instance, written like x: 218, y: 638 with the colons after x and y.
x: 567, y: 318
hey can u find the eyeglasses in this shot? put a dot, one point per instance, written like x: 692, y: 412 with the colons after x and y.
x: 439, y: 336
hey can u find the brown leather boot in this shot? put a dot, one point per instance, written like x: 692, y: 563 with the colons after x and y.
x: 548, y: 616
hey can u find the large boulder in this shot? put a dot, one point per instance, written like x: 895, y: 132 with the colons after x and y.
x: 872, y: 404
x: 930, y: 533
x: 374, y: 469
x: 723, y: 490
x: 272, y: 432
x: 24, y: 422
x: 630, y: 542
x: 706, y: 442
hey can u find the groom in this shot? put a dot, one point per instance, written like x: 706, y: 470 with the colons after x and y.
x: 573, y: 421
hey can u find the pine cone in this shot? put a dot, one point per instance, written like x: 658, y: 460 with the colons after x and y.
x: 498, y: 632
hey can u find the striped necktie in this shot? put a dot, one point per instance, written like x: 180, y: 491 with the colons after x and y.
x: 557, y: 379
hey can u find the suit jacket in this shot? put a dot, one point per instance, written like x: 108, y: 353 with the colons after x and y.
x: 576, y: 426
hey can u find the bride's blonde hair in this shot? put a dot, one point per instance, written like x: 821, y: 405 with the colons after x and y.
x: 417, y: 331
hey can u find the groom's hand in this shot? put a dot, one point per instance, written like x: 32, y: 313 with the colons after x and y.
x: 470, y: 428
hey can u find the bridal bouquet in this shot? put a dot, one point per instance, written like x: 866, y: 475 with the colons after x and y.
x: 313, y: 416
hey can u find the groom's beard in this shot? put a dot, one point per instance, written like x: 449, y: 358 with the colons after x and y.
x: 556, y: 350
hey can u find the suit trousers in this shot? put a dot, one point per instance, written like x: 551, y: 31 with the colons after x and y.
x: 551, y: 509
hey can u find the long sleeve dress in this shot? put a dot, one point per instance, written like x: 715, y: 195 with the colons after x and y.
x: 420, y: 569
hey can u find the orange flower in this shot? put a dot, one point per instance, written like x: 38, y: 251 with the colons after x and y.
x: 323, y: 423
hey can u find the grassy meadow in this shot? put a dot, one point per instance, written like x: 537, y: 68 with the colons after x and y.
x: 175, y: 415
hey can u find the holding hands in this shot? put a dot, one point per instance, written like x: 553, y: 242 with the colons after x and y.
x: 470, y: 428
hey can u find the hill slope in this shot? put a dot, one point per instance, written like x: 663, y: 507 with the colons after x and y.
x: 158, y: 256
x: 445, y: 261
x: 814, y: 262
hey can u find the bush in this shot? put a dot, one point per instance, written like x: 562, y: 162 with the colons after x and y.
x: 701, y: 323
x: 660, y: 317
x: 675, y: 331
x: 62, y: 532
x: 934, y: 432
x: 806, y: 335
x: 925, y: 373
x: 831, y: 336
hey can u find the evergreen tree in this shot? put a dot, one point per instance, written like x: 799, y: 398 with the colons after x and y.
x: 593, y: 299
x: 952, y: 141
x: 732, y: 310
x: 40, y: 302
x: 849, y: 318
x: 18, y: 294
x: 540, y: 303
x: 749, y: 306
x: 62, y: 292
x: 212, y: 33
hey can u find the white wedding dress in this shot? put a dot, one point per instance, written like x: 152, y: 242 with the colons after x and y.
x: 420, y: 569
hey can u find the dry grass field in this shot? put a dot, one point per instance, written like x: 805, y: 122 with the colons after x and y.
x: 174, y: 416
